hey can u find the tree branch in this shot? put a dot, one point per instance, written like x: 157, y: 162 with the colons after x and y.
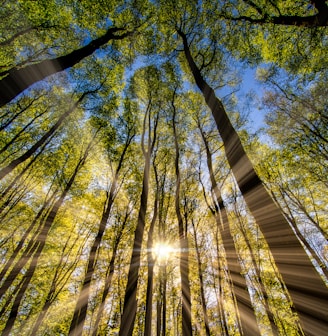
x: 318, y: 20
x: 19, y: 79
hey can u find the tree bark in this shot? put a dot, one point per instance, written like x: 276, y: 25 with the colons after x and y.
x: 306, y: 288
x: 164, y: 286
x: 159, y: 305
x: 130, y: 299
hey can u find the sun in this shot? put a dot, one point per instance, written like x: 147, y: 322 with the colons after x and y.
x: 162, y: 251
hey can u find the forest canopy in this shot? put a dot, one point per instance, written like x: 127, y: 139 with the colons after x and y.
x: 163, y: 167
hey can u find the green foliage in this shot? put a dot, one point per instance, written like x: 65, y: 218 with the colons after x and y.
x: 43, y: 23
x: 297, y: 48
x: 130, y: 87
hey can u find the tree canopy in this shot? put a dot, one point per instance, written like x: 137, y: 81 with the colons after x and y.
x: 135, y: 199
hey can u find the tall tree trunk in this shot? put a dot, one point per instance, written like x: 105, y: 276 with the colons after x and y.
x: 184, y: 253
x: 201, y: 281
x: 246, y: 312
x: 164, y: 285
x: 80, y: 312
x: 161, y: 301
x: 19, y: 79
x: 151, y: 262
x: 130, y: 298
x: 110, y: 273
x: 161, y: 297
x: 81, y: 307
x: 306, y: 288
x: 159, y: 306
x: 149, y: 293
x: 13, y: 164
x: 220, y: 291
x: 41, y: 240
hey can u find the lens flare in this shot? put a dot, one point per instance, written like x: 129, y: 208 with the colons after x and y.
x: 162, y: 251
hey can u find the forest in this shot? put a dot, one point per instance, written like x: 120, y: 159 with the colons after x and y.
x: 163, y: 167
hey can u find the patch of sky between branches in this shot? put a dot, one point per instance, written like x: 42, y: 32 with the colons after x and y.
x: 249, y: 94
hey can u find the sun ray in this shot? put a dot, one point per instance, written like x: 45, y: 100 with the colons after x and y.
x: 162, y: 251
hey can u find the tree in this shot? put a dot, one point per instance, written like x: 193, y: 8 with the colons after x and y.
x: 150, y: 258
x: 110, y: 271
x: 39, y: 244
x: 128, y: 134
x: 149, y: 130
x: 183, y: 236
x: 316, y: 15
x: 17, y: 79
x: 297, y: 120
x: 13, y: 164
x: 239, y: 286
x: 201, y: 280
x: 82, y: 303
x: 63, y: 272
x: 257, y: 198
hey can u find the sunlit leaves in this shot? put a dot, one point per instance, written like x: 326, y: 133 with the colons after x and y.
x: 146, y: 74
x: 43, y: 24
